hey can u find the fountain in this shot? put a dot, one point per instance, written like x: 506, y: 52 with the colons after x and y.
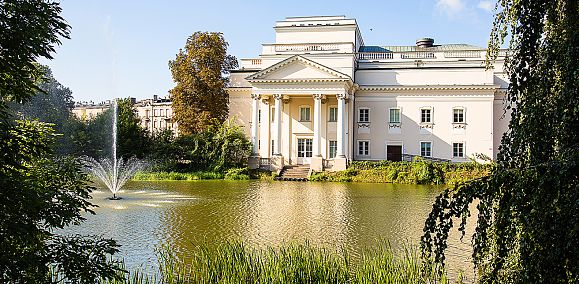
x: 115, y: 172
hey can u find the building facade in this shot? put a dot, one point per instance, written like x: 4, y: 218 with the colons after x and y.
x: 319, y: 96
x: 156, y: 114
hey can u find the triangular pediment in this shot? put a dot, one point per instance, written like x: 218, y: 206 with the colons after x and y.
x: 298, y: 68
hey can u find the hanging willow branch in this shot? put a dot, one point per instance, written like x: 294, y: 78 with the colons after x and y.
x: 528, y: 207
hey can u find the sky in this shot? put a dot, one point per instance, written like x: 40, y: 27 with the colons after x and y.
x: 121, y: 48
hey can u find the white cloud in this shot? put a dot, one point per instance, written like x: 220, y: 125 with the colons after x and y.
x: 450, y: 7
x: 486, y: 5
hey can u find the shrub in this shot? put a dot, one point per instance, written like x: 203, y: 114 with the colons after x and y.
x: 237, y: 174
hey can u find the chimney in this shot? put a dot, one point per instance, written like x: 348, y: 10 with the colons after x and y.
x: 425, y: 42
x: 155, y: 98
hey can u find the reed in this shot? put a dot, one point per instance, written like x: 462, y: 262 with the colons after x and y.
x: 236, y: 262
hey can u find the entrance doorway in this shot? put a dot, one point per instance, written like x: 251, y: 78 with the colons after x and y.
x: 304, y: 150
x: 394, y: 152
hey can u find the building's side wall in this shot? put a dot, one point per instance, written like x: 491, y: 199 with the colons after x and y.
x: 477, y: 136
x: 240, y: 108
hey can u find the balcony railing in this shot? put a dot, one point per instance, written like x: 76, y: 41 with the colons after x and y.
x: 264, y: 163
x: 463, y: 54
x: 375, y: 55
x: 307, y: 47
x: 417, y: 55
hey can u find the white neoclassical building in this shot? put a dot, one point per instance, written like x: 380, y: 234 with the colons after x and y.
x: 319, y: 96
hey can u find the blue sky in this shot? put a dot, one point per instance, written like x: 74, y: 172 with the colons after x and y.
x: 122, y: 48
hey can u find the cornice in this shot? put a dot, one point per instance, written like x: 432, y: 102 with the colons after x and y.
x: 429, y: 88
x: 305, y: 80
x: 238, y: 89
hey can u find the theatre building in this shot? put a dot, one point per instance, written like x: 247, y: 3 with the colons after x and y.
x: 319, y: 96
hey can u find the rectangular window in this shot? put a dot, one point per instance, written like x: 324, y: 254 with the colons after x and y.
x: 426, y: 149
x: 458, y: 150
x: 426, y: 115
x: 363, y: 148
x: 333, y: 114
x: 394, y: 115
x: 458, y: 115
x: 305, y: 113
x: 364, y: 115
x: 259, y: 116
x: 333, y: 147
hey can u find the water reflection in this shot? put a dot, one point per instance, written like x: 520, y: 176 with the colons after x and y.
x: 183, y: 214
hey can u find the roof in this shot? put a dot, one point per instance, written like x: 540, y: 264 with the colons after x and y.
x: 410, y: 48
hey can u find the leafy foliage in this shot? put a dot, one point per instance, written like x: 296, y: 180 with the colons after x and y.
x: 94, y: 137
x: 221, y: 147
x: 30, y: 30
x: 53, y: 103
x: 529, y: 206
x: 133, y: 140
x: 416, y: 172
x: 38, y: 192
x: 199, y: 98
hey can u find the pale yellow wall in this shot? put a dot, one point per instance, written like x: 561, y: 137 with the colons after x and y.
x: 88, y: 112
x: 410, y: 77
x: 157, y: 117
x: 240, y: 107
x: 478, y: 135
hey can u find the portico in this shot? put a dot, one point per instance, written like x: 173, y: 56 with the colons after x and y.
x: 302, y: 114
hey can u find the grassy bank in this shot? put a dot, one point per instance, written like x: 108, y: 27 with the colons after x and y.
x: 236, y: 262
x: 231, y: 174
x: 418, y: 172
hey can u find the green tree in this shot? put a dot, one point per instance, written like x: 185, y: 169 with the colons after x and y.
x: 528, y: 210
x: 199, y: 70
x: 221, y: 147
x: 132, y: 139
x: 39, y: 192
x: 53, y: 103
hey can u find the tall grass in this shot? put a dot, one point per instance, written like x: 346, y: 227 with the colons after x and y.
x: 236, y: 262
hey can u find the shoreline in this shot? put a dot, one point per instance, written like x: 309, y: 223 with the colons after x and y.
x: 419, y: 172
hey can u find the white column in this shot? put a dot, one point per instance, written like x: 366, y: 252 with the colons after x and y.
x: 278, y: 107
x: 254, y: 123
x: 317, y: 124
x: 341, y: 125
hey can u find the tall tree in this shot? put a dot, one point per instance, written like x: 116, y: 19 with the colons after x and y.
x: 38, y: 192
x: 53, y: 103
x: 199, y: 98
x: 528, y: 211
x: 132, y: 139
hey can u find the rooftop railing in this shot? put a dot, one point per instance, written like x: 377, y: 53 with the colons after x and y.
x: 307, y: 47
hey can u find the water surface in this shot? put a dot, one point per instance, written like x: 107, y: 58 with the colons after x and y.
x: 181, y: 214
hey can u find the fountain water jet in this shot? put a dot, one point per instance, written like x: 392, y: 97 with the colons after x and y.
x: 115, y: 172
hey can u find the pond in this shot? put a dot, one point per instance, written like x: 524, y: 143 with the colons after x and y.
x: 181, y: 214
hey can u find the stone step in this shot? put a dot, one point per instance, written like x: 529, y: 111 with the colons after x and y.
x: 295, y: 173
